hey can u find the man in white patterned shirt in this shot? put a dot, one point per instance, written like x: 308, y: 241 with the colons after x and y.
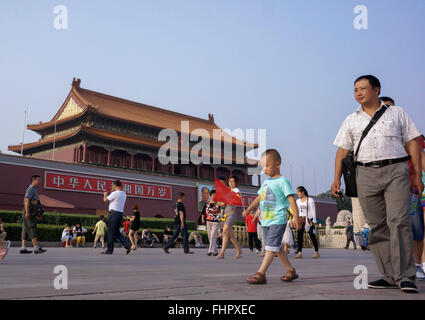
x: 383, y: 180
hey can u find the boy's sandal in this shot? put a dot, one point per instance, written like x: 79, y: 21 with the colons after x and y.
x: 257, y: 278
x: 289, y: 276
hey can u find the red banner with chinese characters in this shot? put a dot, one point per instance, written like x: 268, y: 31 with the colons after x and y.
x: 89, y: 184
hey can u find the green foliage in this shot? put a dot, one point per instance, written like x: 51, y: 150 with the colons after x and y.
x: 53, y: 233
x: 57, y: 218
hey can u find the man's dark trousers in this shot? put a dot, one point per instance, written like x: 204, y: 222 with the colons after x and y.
x: 178, y: 229
x: 348, y: 242
x: 114, y: 223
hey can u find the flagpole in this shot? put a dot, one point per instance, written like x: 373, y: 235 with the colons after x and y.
x: 54, y: 143
x: 23, y: 132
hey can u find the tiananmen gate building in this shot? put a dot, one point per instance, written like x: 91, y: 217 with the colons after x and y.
x: 96, y: 138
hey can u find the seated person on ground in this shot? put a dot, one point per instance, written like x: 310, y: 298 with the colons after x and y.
x: 149, y: 237
x: 2, y: 231
x: 67, y: 236
x: 168, y: 233
x: 79, y: 232
x: 196, y: 236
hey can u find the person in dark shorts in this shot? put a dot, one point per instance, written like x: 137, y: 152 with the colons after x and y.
x: 30, y: 218
x: 134, y: 226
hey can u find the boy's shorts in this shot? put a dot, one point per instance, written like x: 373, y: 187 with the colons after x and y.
x: 273, y: 237
x: 417, y: 223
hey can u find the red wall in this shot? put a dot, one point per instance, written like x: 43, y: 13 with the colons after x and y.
x: 15, y: 182
x: 65, y: 154
x: 16, y: 179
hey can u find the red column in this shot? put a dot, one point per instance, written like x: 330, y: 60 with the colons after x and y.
x: 132, y: 161
x: 246, y: 178
x: 230, y: 172
x: 153, y: 164
x: 84, y: 152
x: 198, y: 171
x: 215, y: 173
x: 172, y: 168
x: 109, y: 157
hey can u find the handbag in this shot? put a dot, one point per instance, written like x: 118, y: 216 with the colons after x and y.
x: 349, y: 162
x: 309, y: 222
x: 37, y: 210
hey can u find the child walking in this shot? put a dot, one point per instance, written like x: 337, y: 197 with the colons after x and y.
x: 274, y: 198
x: 100, y: 229
x: 251, y: 228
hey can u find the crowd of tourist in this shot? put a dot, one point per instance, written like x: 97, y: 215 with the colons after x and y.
x: 387, y: 191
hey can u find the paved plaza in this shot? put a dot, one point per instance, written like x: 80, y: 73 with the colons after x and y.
x: 151, y: 274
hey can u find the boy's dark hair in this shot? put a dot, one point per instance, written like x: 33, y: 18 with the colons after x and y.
x: 181, y: 195
x: 236, y: 178
x: 387, y: 99
x: 101, y: 217
x: 374, y: 81
x: 68, y: 225
x: 303, y: 190
x: 212, y: 192
x: 274, y: 154
x: 34, y: 177
x: 117, y: 183
x: 135, y: 207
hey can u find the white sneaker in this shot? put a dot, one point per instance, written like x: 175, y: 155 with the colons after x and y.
x: 420, y: 275
x: 9, y: 244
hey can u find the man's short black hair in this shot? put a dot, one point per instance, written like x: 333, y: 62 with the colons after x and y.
x: 34, y: 177
x: 101, y: 217
x: 387, y: 99
x: 117, y: 183
x: 181, y: 194
x: 212, y: 192
x: 374, y: 81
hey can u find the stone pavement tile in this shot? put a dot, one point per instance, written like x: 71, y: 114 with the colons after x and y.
x: 152, y: 274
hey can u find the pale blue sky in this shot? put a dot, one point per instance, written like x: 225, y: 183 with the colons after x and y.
x: 287, y: 66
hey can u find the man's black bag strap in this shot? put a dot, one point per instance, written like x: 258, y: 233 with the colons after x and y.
x: 372, y: 122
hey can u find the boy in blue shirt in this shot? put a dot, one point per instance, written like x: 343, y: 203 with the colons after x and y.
x: 274, y: 198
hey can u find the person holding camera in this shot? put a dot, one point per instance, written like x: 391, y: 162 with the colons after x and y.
x: 30, y: 217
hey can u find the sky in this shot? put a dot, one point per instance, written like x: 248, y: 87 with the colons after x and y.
x: 284, y: 66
